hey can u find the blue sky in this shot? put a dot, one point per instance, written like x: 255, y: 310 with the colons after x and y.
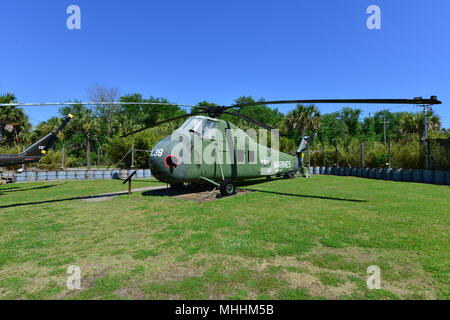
x: 194, y: 50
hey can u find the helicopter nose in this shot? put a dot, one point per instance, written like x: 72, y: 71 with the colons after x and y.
x: 166, y: 166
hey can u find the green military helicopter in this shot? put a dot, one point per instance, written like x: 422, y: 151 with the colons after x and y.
x: 231, y: 153
x: 246, y: 160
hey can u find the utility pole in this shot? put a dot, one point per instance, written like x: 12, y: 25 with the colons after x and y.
x: 390, y: 154
x: 426, y: 108
x: 384, y: 126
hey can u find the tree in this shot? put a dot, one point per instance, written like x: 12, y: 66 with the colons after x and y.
x: 137, y: 116
x: 332, y: 130
x: 82, y: 129
x: 108, y: 114
x: 45, y: 127
x: 14, y: 124
x: 368, y: 129
x: 350, y: 118
x: 259, y: 111
x: 303, y: 119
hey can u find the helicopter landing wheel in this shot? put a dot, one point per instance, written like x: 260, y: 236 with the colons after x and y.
x: 227, y: 188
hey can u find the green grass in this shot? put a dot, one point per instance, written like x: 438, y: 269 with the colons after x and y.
x: 294, y: 239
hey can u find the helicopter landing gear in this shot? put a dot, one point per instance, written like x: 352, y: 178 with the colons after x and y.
x: 227, y: 188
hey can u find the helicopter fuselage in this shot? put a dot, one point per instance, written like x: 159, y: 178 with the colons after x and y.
x: 215, y: 150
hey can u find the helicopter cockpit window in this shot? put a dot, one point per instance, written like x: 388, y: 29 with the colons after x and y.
x: 193, y: 124
x: 209, y: 129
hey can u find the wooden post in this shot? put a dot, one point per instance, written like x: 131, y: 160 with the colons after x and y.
x: 130, y: 177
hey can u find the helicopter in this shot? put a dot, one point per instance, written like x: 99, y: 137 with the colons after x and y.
x: 232, y: 154
x: 37, y: 150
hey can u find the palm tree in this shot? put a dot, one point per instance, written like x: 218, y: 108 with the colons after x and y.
x: 303, y: 118
x: 84, y: 122
x: 14, y: 121
x: 413, y: 123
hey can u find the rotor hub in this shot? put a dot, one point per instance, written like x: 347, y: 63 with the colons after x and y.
x: 215, y: 111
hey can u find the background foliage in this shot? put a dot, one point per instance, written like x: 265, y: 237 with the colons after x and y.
x: 95, y: 132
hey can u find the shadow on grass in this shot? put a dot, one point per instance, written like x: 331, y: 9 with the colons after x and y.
x: 16, y: 189
x: 13, y: 205
x: 163, y: 191
x: 169, y: 192
x: 304, y: 195
x: 242, y: 186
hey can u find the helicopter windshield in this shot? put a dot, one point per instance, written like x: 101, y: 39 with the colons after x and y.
x: 202, y: 126
x: 193, y: 124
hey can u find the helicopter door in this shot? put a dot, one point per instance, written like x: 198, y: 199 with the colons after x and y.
x: 210, y: 136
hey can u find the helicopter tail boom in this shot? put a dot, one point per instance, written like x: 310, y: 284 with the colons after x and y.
x: 41, y: 147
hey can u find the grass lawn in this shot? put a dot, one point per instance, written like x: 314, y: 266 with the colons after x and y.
x: 293, y: 239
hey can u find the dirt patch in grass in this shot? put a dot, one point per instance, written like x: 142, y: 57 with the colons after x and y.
x: 316, y: 288
x: 401, y: 273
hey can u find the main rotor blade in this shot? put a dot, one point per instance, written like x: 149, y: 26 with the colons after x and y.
x: 161, y: 122
x: 92, y: 104
x: 420, y: 100
x: 247, y: 118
